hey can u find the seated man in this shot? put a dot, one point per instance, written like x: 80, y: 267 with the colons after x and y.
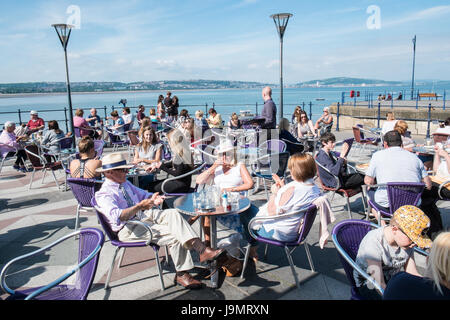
x: 395, y: 164
x: 336, y: 165
x: 95, y: 121
x: 120, y: 201
x: 35, y: 123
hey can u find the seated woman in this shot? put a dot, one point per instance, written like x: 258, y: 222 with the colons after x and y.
x: 180, y: 164
x: 149, y: 150
x: 153, y: 116
x: 51, y: 137
x: 85, y: 129
x: 9, y: 145
x: 389, y: 124
x: 200, y: 121
x: 284, y: 134
x: 231, y: 176
x: 408, y: 143
x: 87, y: 164
x: 235, y: 123
x: 286, y: 198
x: 296, y: 115
x: 336, y: 165
x: 304, y: 126
x: 324, y: 123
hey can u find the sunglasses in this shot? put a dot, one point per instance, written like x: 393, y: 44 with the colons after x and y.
x: 121, y: 170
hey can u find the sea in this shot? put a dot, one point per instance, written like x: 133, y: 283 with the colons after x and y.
x: 225, y: 101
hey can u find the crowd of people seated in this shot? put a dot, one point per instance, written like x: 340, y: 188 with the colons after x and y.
x: 388, y: 249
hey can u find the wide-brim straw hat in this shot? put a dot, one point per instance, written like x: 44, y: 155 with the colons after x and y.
x: 225, y: 146
x: 114, y: 161
x: 414, y: 223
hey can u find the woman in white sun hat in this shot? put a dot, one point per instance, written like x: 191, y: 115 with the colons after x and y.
x: 229, y: 175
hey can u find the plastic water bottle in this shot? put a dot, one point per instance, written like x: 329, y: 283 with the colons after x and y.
x: 226, y: 203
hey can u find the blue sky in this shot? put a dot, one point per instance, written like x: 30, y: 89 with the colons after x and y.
x: 149, y: 40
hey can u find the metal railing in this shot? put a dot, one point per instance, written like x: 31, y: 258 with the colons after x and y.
x: 61, y: 115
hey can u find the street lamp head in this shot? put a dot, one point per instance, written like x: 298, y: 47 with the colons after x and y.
x: 281, y: 20
x: 63, y: 30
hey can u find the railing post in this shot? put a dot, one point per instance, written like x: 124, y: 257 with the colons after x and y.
x: 206, y: 109
x: 443, y: 108
x: 256, y: 114
x: 354, y: 101
x: 392, y: 100
x: 337, y: 116
x: 20, y: 117
x: 378, y: 116
x: 310, y: 110
x: 65, y: 117
x: 417, y: 100
x: 104, y: 109
x: 303, y: 106
x: 342, y: 98
x: 429, y: 120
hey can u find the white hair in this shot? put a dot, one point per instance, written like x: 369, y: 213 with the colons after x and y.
x: 9, y: 124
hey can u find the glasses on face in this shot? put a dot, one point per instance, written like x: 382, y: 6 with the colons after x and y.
x: 121, y: 170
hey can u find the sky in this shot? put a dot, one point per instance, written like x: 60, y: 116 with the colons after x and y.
x: 151, y: 40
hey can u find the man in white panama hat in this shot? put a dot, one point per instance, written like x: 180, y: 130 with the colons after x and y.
x: 120, y: 201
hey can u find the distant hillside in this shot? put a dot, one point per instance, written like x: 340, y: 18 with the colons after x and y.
x: 348, y: 82
x: 55, y: 87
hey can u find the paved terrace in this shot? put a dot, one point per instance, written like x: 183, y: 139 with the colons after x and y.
x: 31, y: 219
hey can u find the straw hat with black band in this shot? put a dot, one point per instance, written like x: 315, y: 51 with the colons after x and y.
x: 114, y: 161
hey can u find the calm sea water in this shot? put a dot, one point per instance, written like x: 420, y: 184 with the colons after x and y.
x: 226, y: 101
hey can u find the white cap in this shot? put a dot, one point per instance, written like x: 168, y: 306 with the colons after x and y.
x: 225, y: 146
x: 33, y: 112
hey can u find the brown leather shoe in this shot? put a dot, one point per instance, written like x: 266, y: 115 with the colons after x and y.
x: 210, y: 254
x: 187, y: 281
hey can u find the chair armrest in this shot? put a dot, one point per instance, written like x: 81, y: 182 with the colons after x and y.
x: 277, y: 217
x: 55, y: 282
x: 442, y: 185
x: 182, y: 176
x: 146, y: 226
x: 338, y: 183
x: 294, y: 143
x: 356, y: 267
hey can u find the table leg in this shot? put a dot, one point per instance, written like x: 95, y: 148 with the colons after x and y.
x: 213, y: 265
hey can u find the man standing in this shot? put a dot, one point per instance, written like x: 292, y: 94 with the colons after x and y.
x: 269, y: 112
x: 120, y: 201
x: 35, y: 123
x: 168, y: 100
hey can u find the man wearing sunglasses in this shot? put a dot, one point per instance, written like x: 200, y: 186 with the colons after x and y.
x: 120, y: 201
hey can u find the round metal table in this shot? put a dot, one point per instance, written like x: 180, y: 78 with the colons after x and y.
x: 185, y: 205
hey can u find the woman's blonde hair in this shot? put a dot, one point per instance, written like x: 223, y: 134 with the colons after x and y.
x: 302, y: 166
x: 439, y: 260
x: 199, y: 114
x: 401, y: 127
x: 179, y: 146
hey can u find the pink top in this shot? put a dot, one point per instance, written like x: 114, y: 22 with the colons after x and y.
x: 8, y: 142
x: 80, y: 122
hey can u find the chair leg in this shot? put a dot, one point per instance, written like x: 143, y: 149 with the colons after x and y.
x: 1, y: 165
x: 308, y: 254
x: 43, y: 177
x: 111, y: 268
x: 122, y: 254
x: 266, y: 249
x: 291, y: 263
x: 31, y: 180
x: 348, y: 208
x: 77, y: 218
x: 54, y: 178
x: 265, y: 190
x: 247, y: 254
x: 158, y: 263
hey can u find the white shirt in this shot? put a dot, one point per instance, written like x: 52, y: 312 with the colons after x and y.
x: 287, y: 229
x: 394, y: 164
x: 128, y: 118
x: 231, y: 179
x: 388, y: 126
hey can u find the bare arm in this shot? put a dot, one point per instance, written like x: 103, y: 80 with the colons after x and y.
x: 411, y: 268
x: 369, y: 180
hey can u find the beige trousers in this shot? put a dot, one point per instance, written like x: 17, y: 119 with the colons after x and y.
x: 168, y: 229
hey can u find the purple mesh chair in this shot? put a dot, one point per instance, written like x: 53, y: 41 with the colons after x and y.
x: 350, y: 143
x: 90, y: 243
x: 120, y: 244
x: 38, y: 162
x: 308, y: 219
x: 8, y: 152
x: 347, y: 236
x: 399, y: 194
x: 65, y: 143
x: 98, y: 146
x: 83, y: 190
x: 116, y: 140
x: 269, y: 164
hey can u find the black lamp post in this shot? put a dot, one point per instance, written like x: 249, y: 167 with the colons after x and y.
x: 281, y: 20
x: 414, y: 63
x: 63, y: 31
